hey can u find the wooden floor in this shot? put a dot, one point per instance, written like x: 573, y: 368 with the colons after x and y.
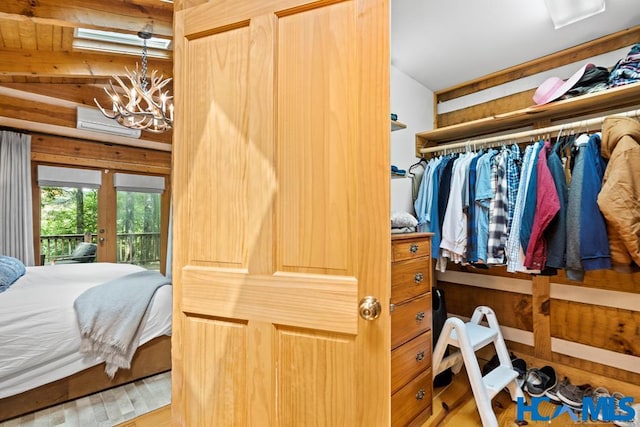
x: 453, y: 406
x: 105, y: 409
x: 158, y: 418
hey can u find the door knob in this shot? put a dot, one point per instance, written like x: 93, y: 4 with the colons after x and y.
x: 370, y: 308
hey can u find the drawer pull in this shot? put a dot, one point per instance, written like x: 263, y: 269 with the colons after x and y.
x: 420, y: 316
x: 413, y: 248
x: 420, y: 394
x: 418, y: 278
x: 420, y: 356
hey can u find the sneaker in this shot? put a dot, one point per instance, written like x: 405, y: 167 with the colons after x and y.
x: 520, y: 366
x: 572, y: 395
x: 600, y: 392
x: 552, y: 393
x: 494, y: 362
x: 538, y: 381
x: 636, y: 407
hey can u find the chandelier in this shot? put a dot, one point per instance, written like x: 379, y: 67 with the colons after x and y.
x: 140, y: 104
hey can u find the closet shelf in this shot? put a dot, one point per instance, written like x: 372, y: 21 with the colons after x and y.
x: 619, y: 97
x: 396, y: 125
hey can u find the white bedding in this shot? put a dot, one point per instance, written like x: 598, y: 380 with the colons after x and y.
x: 39, y: 336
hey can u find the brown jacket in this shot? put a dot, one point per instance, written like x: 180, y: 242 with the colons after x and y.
x: 619, y: 199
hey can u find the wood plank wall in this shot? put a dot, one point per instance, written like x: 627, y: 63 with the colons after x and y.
x: 592, y: 325
x: 589, y: 327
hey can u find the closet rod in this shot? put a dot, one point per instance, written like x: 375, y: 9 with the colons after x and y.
x: 526, y: 134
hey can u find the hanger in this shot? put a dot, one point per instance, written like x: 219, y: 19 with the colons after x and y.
x: 559, y: 141
x: 422, y: 159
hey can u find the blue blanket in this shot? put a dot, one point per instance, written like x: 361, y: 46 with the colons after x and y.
x: 111, y: 317
x: 11, y: 269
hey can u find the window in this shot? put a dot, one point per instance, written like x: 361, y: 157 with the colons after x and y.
x: 138, y: 219
x: 68, y: 210
x: 108, y: 41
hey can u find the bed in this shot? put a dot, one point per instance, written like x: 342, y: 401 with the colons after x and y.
x: 40, y: 362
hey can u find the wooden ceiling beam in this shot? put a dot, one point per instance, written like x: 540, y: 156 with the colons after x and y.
x: 18, y: 62
x: 129, y: 16
x: 49, y: 129
x: 73, y: 94
x: 35, y: 106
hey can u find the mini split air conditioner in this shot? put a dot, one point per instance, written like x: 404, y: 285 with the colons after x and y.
x: 93, y: 120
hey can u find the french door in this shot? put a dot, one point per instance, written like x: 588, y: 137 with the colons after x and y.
x: 124, y: 214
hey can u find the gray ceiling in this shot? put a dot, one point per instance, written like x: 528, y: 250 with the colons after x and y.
x: 441, y: 43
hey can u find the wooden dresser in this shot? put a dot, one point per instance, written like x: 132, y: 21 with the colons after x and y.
x: 411, y: 282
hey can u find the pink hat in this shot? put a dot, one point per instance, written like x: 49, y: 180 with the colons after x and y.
x: 554, y: 87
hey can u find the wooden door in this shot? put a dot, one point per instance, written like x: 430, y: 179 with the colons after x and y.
x: 281, y: 192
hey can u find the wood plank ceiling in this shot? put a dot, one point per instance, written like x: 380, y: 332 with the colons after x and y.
x: 43, y: 77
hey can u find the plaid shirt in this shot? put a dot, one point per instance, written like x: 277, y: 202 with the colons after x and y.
x: 498, y: 210
x: 513, y: 180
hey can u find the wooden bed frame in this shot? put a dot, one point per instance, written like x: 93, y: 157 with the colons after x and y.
x: 151, y: 358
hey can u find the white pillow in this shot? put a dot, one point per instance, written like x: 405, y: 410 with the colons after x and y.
x: 403, y: 219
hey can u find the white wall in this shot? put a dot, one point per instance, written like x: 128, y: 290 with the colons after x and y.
x: 413, y: 103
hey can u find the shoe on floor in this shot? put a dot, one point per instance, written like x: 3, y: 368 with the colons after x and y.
x: 572, y: 395
x: 598, y: 393
x: 636, y: 419
x: 520, y: 366
x: 552, y: 393
x: 538, y: 381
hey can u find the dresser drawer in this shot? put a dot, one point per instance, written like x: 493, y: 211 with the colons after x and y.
x: 408, y: 360
x: 412, y: 400
x: 408, y: 249
x: 410, y: 278
x: 410, y: 319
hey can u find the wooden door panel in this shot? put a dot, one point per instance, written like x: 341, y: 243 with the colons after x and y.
x: 281, y: 213
x: 303, y: 301
x: 218, y: 151
x: 316, y: 89
x: 316, y: 371
x: 214, y: 378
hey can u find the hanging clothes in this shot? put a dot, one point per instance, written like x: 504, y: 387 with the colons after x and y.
x: 513, y: 181
x: 574, y: 263
x: 530, y: 198
x: 547, y: 206
x: 434, y: 213
x: 472, y: 235
x: 421, y: 203
x: 484, y: 195
x: 619, y: 198
x: 513, y: 248
x: 454, y: 229
x: 498, y: 210
x: 416, y: 172
x: 556, y: 232
x: 594, y: 243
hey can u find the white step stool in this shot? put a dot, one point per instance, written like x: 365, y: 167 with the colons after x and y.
x: 468, y: 338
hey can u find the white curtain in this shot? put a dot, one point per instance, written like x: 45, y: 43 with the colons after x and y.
x: 169, y: 264
x: 16, y: 218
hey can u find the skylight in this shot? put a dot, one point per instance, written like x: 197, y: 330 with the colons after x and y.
x: 90, y: 39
